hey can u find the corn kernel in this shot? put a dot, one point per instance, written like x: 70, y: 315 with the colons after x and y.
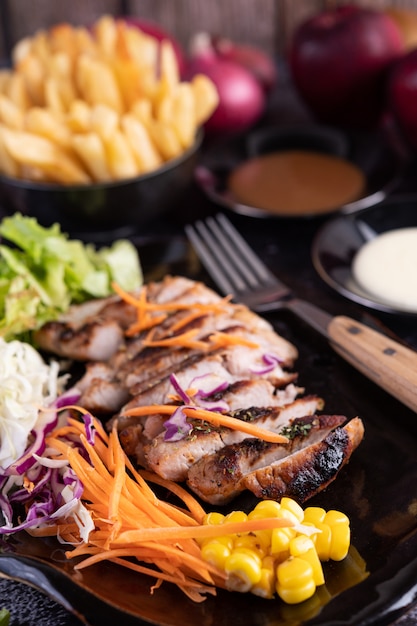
x: 304, y: 547
x: 322, y: 541
x: 335, y: 517
x: 295, y: 580
x: 289, y: 515
x: 248, y: 552
x: 263, y: 538
x: 216, y: 553
x: 268, y: 508
x: 243, y: 570
x: 291, y: 505
x: 340, y: 541
x: 213, y: 518
x: 265, y: 587
x: 314, y: 514
x: 235, y: 516
x: 280, y: 540
x: 251, y: 543
x: 340, y: 534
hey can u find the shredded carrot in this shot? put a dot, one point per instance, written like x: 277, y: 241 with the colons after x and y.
x: 132, y: 537
x: 214, y: 418
x: 220, y: 340
x: 132, y: 526
x: 185, y: 340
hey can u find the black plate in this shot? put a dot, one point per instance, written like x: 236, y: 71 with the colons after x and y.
x: 376, y: 490
x: 338, y: 241
x: 373, y: 154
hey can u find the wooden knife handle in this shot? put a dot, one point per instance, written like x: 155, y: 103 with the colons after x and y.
x: 388, y: 363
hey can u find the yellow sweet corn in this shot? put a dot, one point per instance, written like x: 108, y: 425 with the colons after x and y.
x: 243, y: 569
x: 340, y: 531
x: 304, y: 547
x: 285, y: 560
x: 215, y: 552
x: 295, y: 580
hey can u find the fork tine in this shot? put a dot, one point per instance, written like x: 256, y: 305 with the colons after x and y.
x: 199, y: 241
x: 238, y: 271
x: 221, y: 258
x: 252, y: 260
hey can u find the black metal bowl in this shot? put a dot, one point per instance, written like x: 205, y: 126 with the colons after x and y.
x: 103, y: 206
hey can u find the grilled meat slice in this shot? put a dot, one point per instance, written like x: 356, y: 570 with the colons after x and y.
x: 308, y: 471
x: 219, y: 477
x: 173, y: 459
x: 95, y: 340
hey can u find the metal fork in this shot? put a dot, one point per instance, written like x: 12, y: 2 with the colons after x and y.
x: 239, y: 272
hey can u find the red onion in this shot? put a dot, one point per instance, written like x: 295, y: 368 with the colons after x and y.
x: 242, y: 99
x: 253, y: 59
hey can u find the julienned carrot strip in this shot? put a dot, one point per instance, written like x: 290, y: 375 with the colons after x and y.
x: 220, y: 340
x: 214, y: 418
x: 144, y: 307
x: 143, y: 535
x: 190, y: 502
x: 146, y: 323
x: 186, y: 320
x: 185, y: 340
x: 131, y: 522
x: 158, y: 552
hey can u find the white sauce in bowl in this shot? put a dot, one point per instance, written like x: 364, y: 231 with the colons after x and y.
x: 386, y: 268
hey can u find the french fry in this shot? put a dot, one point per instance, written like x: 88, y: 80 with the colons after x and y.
x: 90, y: 150
x: 142, y: 109
x: 33, y: 72
x: 15, y: 89
x: 62, y: 39
x: 53, y: 97
x: 105, y: 33
x: 36, y: 174
x: 146, y: 154
x: 98, y: 104
x: 43, y: 122
x: 104, y: 121
x: 206, y: 97
x: 40, y: 46
x: 165, y: 139
x: 84, y: 42
x: 78, y: 118
x: 168, y: 64
x: 8, y: 165
x: 39, y: 152
x: 10, y: 114
x: 183, y: 114
x: 59, y: 70
x: 120, y: 158
x: 5, y: 76
x: 21, y: 50
x: 97, y: 83
x: 141, y: 48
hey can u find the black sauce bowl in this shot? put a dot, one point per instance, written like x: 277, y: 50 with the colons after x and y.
x: 114, y: 206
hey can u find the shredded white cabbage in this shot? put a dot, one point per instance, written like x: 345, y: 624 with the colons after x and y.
x: 27, y: 383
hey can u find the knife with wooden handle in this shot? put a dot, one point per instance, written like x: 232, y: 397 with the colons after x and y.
x: 390, y: 364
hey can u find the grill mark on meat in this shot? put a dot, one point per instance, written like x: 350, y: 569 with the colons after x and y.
x: 173, y: 459
x: 219, y: 477
x: 309, y: 471
x: 95, y: 340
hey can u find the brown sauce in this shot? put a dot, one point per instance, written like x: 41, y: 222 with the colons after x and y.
x: 297, y: 182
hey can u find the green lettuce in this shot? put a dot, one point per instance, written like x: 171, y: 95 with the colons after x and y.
x: 43, y: 272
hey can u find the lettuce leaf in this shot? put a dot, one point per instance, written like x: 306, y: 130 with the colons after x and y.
x: 43, y: 272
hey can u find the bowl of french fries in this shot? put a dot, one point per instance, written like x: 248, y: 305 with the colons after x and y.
x: 97, y: 128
